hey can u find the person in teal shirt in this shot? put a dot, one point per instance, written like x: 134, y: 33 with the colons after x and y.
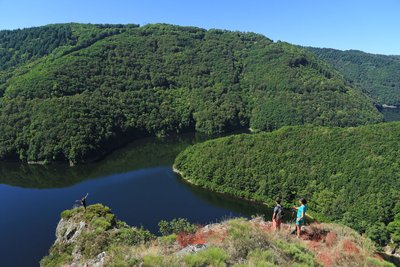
x: 301, y: 215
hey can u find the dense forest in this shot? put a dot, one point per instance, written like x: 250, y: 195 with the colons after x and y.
x: 378, y: 75
x: 72, y: 92
x: 349, y: 175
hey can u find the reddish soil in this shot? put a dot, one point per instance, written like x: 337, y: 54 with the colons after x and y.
x: 330, y: 239
x: 350, y: 248
x: 329, y: 249
x: 325, y: 258
x: 216, y: 233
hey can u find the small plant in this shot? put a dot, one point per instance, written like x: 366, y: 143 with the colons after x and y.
x: 243, y: 238
x: 66, y: 214
x: 209, y: 257
x: 56, y: 259
x: 260, y: 257
x: 152, y: 260
x: 167, y: 240
x: 132, y: 236
x: 176, y: 226
x: 101, y: 225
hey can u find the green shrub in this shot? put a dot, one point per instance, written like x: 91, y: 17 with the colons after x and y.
x: 167, y: 240
x: 212, y: 256
x: 98, y: 210
x: 132, y: 236
x: 296, y: 252
x: 379, y: 263
x: 100, y: 224
x: 152, y: 261
x: 66, y: 214
x: 260, y: 257
x: 378, y: 233
x: 176, y: 226
x: 92, y: 243
x: 120, y: 256
x: 394, y: 230
x: 55, y: 260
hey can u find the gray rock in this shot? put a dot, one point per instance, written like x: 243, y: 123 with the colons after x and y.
x: 96, y: 262
x: 191, y: 249
x: 68, y: 231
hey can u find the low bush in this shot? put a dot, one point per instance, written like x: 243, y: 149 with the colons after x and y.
x: 176, y: 226
x: 209, y: 257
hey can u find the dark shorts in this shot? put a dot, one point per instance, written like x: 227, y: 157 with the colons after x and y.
x: 300, y: 223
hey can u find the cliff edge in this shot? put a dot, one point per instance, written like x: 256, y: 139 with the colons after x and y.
x: 96, y: 238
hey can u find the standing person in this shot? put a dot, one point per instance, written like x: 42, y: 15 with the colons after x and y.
x: 277, y: 216
x: 301, y: 215
x: 82, y: 201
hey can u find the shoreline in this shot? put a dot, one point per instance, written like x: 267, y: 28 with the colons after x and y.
x: 390, y: 106
x: 182, y: 177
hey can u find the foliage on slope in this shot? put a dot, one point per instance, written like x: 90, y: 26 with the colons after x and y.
x: 236, y: 242
x: 350, y: 175
x: 105, y: 83
x: 379, y: 75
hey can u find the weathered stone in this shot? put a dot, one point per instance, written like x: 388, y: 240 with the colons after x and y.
x: 191, y: 249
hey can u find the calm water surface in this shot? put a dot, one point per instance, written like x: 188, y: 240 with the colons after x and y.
x: 391, y: 114
x: 137, y: 182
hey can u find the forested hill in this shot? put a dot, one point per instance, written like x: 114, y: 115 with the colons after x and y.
x: 378, y: 75
x: 72, y: 92
x: 349, y: 175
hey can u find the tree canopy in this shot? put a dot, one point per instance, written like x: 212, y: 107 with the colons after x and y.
x: 378, y: 75
x: 72, y: 92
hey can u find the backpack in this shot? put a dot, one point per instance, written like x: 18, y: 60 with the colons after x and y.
x: 279, y: 213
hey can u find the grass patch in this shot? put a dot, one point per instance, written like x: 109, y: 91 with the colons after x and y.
x: 209, y: 257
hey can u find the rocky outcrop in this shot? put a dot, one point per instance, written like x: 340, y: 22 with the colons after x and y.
x: 83, y: 236
x: 95, y: 238
x: 69, y: 234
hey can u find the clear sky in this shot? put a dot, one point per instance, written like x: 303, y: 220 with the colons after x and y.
x: 368, y: 25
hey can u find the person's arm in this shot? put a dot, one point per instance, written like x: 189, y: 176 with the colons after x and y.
x: 86, y: 195
x: 274, y: 214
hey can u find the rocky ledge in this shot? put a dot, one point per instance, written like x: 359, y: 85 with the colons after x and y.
x: 96, y: 238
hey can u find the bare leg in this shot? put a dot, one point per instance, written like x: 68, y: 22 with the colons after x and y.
x: 298, y: 227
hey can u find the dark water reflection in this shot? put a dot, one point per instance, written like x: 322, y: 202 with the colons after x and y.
x: 391, y: 114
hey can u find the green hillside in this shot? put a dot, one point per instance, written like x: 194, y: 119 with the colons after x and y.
x: 349, y: 175
x: 73, y: 92
x: 379, y: 75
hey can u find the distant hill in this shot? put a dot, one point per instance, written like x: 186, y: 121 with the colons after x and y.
x: 378, y: 75
x: 349, y: 175
x: 72, y: 92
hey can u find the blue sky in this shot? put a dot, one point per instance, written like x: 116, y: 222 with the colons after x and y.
x: 368, y: 25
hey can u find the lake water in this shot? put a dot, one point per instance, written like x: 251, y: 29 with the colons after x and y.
x: 136, y: 182
x: 391, y: 114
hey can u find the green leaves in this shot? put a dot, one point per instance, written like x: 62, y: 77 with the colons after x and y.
x: 176, y: 226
